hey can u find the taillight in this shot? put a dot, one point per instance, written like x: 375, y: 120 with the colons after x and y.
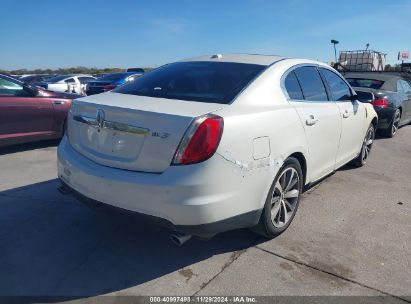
x: 200, y: 141
x: 109, y: 87
x: 381, y: 103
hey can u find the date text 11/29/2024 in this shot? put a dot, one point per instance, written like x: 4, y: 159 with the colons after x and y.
x: 203, y: 299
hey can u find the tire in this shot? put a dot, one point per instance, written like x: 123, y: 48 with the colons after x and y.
x: 366, y: 147
x: 274, y: 223
x: 394, y: 125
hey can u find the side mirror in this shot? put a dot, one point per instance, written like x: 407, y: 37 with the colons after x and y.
x: 365, y: 96
x: 354, y: 97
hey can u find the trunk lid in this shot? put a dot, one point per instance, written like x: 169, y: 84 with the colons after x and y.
x: 132, y: 132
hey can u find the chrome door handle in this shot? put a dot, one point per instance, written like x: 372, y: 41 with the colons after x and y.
x: 346, y: 114
x: 58, y: 102
x: 311, y: 121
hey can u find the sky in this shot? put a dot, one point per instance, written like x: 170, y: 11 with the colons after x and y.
x: 134, y: 33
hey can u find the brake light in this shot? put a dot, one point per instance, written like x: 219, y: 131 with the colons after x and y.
x: 200, y: 141
x: 109, y: 87
x: 381, y: 103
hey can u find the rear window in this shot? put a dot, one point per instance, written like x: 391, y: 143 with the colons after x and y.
x: 216, y: 82
x: 365, y: 83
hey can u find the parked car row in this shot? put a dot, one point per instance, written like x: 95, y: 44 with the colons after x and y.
x: 31, y: 110
x: 208, y: 144
x: 80, y: 83
x: 109, y: 82
x: 29, y: 79
x: 66, y: 83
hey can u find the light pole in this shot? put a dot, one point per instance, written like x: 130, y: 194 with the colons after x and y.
x: 334, y: 42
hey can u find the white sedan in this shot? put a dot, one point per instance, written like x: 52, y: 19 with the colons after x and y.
x: 67, y: 83
x: 215, y: 143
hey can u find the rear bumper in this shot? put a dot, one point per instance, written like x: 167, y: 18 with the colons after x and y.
x: 385, y: 116
x: 205, y: 198
x: 205, y: 230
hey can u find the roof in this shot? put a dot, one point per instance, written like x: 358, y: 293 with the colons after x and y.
x: 239, y: 58
x: 384, y: 76
x: 389, y: 78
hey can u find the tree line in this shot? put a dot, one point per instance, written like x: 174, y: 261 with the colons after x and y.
x: 62, y: 71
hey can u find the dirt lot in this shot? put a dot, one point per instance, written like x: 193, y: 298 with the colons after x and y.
x: 351, y: 236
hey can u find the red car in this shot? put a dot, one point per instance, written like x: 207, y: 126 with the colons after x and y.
x: 30, y: 114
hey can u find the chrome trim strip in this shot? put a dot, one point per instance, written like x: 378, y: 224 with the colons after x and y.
x: 111, y: 125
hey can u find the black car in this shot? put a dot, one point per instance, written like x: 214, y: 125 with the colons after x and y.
x: 389, y: 93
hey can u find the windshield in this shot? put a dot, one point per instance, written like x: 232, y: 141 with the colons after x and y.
x: 217, y: 82
x: 57, y: 78
x: 114, y: 77
x: 365, y: 83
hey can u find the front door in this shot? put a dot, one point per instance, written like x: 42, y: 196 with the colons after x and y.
x: 320, y: 117
x: 352, y: 114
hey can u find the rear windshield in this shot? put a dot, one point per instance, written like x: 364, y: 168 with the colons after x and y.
x: 365, y: 83
x: 214, y: 82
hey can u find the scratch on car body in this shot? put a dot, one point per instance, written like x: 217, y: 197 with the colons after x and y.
x: 267, y: 163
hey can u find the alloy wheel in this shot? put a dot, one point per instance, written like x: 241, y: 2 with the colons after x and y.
x: 368, y: 141
x: 285, y: 197
x: 396, y: 122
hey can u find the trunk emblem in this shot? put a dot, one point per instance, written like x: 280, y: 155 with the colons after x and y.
x: 100, y: 118
x: 100, y: 123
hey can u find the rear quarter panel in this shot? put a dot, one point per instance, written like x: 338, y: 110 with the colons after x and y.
x: 261, y: 130
x: 60, y: 112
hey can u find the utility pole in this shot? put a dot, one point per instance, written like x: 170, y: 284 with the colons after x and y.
x: 335, y: 42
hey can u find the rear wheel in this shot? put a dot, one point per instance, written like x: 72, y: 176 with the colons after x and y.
x: 282, y: 200
x: 362, y: 158
x: 394, y: 125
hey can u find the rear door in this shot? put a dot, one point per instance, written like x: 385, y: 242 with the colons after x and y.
x: 21, y: 114
x: 320, y: 117
x: 352, y: 113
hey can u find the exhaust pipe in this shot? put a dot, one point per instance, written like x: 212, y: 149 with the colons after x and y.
x: 180, y: 239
